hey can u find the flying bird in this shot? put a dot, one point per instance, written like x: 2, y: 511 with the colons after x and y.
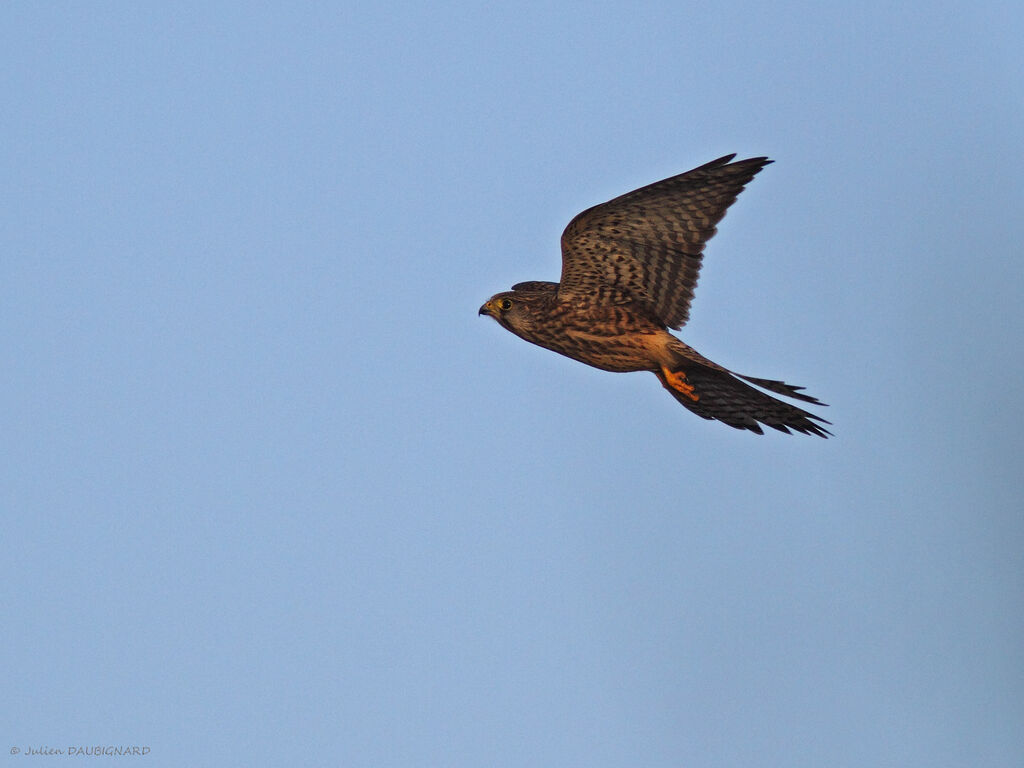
x: 629, y: 269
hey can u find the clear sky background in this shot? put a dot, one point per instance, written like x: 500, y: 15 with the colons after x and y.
x: 273, y: 494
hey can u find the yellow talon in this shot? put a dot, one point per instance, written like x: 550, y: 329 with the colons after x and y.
x: 677, y: 380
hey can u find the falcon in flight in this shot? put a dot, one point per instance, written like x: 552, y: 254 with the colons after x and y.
x: 629, y: 268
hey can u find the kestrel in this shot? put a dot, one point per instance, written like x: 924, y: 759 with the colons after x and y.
x: 629, y: 268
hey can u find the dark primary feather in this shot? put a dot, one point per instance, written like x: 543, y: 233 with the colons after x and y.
x: 727, y: 399
x: 648, y: 243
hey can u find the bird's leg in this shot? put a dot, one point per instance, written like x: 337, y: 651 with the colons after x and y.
x: 677, y: 381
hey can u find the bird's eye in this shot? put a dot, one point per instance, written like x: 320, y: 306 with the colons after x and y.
x: 505, y: 305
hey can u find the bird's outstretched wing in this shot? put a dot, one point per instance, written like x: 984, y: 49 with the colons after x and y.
x: 648, y: 243
x: 714, y: 393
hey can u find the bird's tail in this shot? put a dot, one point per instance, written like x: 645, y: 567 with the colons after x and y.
x: 714, y: 393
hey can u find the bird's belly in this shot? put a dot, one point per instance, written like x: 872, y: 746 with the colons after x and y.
x: 617, y: 353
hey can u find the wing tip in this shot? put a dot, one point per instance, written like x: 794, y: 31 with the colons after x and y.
x: 760, y: 162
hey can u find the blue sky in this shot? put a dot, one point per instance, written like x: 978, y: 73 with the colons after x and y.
x: 274, y: 494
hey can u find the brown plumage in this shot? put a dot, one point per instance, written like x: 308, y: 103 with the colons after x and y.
x: 629, y: 269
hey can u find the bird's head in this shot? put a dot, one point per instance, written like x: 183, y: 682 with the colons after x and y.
x: 507, y: 308
x: 516, y: 310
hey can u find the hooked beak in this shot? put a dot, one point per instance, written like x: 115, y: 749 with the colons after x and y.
x: 487, y: 309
